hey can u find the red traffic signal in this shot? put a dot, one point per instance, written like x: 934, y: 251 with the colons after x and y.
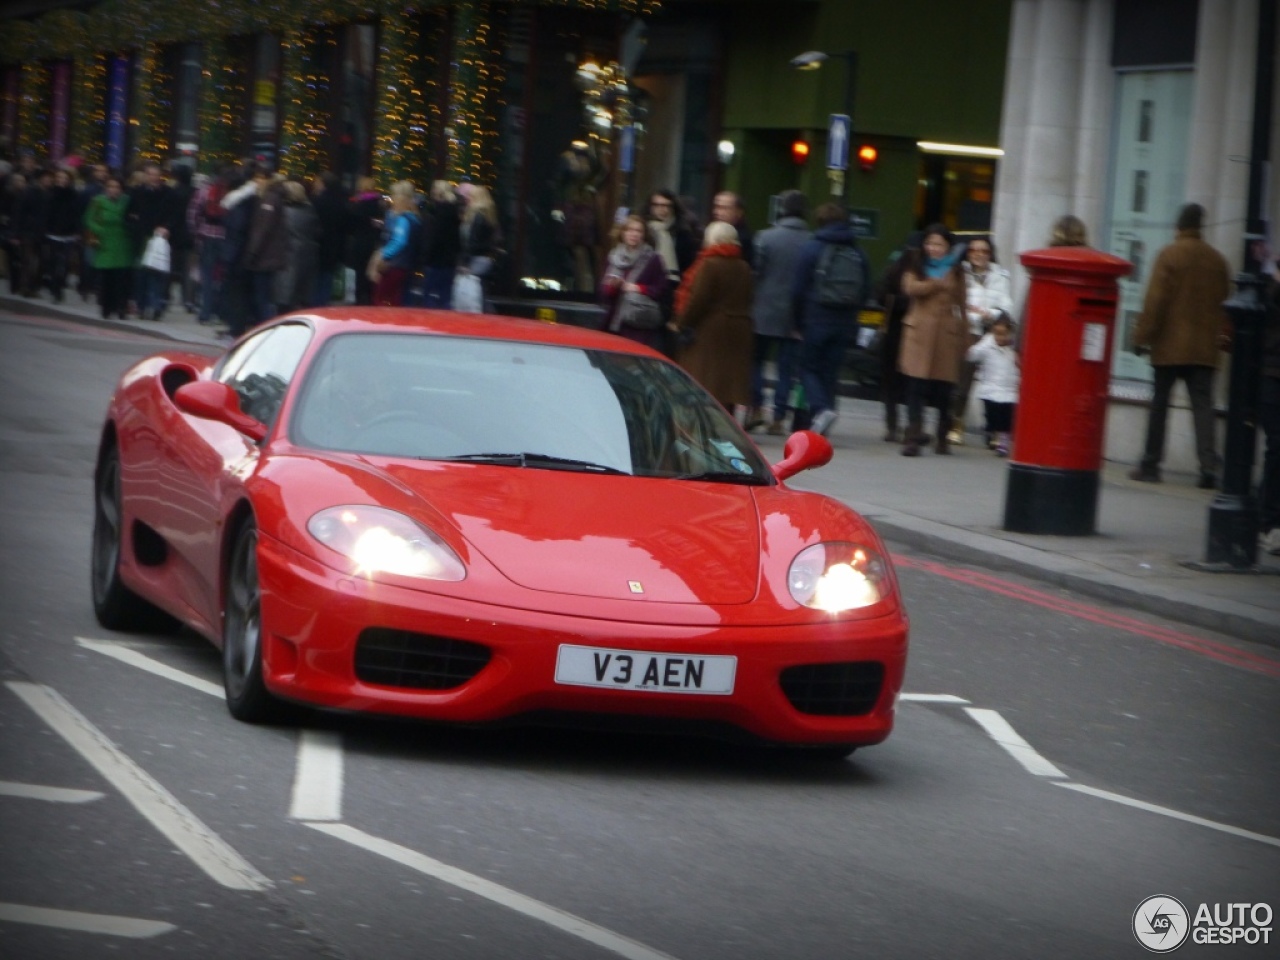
x: 867, y: 157
x: 799, y: 152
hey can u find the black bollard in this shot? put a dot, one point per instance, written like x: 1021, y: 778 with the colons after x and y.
x: 1233, y: 515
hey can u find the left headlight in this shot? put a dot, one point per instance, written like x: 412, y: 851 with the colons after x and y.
x: 378, y: 540
x: 838, y: 576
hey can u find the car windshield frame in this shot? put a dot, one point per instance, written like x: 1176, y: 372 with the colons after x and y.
x: 517, y: 403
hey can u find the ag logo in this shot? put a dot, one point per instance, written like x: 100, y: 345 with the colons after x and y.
x: 1161, y: 924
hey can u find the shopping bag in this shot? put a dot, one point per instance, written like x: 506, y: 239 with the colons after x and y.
x: 468, y: 295
x: 156, y: 254
x: 345, y: 282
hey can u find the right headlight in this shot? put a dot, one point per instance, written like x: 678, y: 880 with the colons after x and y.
x: 378, y: 540
x: 838, y: 576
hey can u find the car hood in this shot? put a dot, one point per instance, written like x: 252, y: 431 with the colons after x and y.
x: 617, y: 537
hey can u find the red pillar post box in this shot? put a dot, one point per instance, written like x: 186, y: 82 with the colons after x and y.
x: 1069, y: 326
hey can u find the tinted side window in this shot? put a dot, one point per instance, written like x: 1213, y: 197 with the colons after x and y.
x: 261, y: 368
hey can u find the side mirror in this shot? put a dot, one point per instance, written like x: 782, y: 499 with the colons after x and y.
x: 803, y: 450
x: 211, y: 400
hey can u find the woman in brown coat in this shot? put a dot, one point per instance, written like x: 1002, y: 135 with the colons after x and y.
x: 713, y: 306
x: 934, y: 334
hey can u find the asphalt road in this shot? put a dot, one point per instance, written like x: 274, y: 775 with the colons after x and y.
x: 1055, y: 763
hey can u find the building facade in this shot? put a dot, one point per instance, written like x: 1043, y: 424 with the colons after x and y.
x: 1120, y: 112
x: 999, y: 115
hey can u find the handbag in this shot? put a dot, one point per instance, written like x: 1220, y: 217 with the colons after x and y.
x: 156, y: 254
x: 639, y: 311
x: 468, y: 294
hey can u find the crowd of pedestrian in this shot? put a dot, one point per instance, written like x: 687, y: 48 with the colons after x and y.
x: 728, y: 303
x: 239, y: 246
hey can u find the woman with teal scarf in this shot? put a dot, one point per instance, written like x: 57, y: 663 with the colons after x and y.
x: 934, y: 334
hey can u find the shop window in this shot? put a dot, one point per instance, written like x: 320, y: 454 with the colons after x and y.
x: 955, y: 191
x: 355, y: 85
x: 183, y: 66
x: 59, y: 108
x: 264, y: 92
x: 1151, y: 141
x: 116, y: 110
x: 555, y: 192
x: 10, y: 94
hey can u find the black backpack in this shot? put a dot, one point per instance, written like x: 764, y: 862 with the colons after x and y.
x: 840, y: 277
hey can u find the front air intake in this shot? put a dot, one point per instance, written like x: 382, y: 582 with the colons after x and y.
x: 416, y: 661
x: 834, y: 689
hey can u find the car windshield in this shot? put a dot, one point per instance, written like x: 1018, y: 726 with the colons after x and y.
x: 521, y: 405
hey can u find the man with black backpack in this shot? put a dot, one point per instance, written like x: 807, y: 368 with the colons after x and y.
x: 832, y: 282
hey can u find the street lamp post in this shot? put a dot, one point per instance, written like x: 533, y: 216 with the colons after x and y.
x: 813, y: 60
x: 1232, y: 544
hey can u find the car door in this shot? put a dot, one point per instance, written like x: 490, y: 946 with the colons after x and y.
x: 204, y: 464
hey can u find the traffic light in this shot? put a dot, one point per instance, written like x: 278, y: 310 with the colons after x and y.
x: 799, y: 151
x: 867, y: 157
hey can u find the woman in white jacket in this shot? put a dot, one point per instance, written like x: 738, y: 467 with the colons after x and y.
x: 987, y: 297
x: 999, y: 377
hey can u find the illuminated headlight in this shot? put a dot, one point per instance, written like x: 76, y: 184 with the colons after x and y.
x: 378, y: 540
x: 837, y: 576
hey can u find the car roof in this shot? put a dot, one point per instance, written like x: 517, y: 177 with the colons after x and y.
x: 331, y: 321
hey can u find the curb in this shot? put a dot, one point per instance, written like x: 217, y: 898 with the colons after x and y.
x: 1223, y: 616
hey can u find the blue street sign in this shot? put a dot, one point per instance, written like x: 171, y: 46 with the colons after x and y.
x: 839, y: 132
x: 627, y: 149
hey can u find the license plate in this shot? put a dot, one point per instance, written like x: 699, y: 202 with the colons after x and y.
x: 642, y: 670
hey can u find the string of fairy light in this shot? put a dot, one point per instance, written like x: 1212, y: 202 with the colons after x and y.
x: 417, y: 126
x: 88, y: 121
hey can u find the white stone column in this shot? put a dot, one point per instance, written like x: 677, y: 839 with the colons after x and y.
x: 1056, y: 123
x: 1222, y: 120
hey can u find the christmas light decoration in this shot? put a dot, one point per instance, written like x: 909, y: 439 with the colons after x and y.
x: 33, y: 109
x: 413, y: 113
x: 89, y: 106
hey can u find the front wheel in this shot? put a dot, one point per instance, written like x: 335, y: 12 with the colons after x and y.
x: 247, y: 696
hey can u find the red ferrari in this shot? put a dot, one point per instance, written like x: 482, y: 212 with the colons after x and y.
x: 478, y: 519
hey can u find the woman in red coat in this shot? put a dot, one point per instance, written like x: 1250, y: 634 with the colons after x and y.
x: 713, y: 307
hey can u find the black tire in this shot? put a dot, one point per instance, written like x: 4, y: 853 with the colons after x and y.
x: 115, y: 605
x: 835, y: 753
x: 247, y: 696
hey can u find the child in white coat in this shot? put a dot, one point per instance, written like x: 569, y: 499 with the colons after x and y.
x: 998, y: 380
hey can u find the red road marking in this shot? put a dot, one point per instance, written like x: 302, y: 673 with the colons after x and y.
x: 1212, y: 649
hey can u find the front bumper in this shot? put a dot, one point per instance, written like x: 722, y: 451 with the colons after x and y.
x: 313, y: 617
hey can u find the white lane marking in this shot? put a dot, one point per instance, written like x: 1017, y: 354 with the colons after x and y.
x: 998, y: 729
x: 1168, y: 812
x: 135, y: 659
x: 932, y: 698
x: 34, y: 791
x: 317, y: 782
x: 183, y: 829
x: 552, y: 916
x: 84, y: 922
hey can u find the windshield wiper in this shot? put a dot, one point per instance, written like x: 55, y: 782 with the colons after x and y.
x: 534, y: 460
x: 724, y: 476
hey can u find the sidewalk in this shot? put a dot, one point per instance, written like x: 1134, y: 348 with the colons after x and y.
x: 953, y: 507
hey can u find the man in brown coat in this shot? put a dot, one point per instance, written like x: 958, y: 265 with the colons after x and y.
x: 1183, y: 325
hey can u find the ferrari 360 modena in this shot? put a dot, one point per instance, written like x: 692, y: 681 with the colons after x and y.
x: 476, y: 519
